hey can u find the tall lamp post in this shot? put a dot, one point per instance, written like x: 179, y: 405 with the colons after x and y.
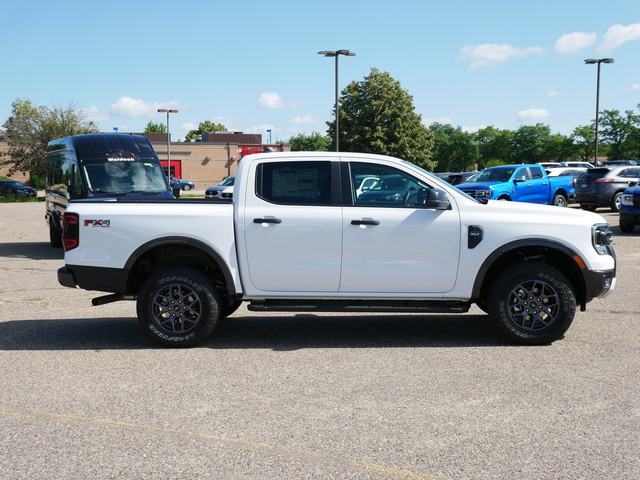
x: 337, y: 53
x: 163, y: 110
x: 592, y: 61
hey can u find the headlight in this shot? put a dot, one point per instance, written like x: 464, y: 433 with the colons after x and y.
x: 626, y: 199
x: 602, y: 238
x: 484, y: 193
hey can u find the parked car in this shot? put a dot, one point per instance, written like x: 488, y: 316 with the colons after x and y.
x: 177, y: 183
x: 566, y: 172
x: 13, y: 188
x: 612, y: 163
x: 603, y: 187
x: 574, y: 172
x: 630, y: 209
x: 222, y: 191
x: 460, y: 178
x: 577, y: 164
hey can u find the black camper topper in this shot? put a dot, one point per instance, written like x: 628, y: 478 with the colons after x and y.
x: 100, y: 165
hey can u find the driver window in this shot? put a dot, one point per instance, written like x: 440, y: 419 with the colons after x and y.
x: 375, y: 185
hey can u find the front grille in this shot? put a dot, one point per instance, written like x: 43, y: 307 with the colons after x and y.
x: 472, y: 193
x: 636, y: 201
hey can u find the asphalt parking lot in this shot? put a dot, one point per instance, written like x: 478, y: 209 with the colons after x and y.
x: 84, y: 394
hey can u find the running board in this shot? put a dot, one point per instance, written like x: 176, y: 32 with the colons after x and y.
x: 373, y: 306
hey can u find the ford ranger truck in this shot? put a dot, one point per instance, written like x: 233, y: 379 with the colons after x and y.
x: 521, y: 183
x: 300, y: 235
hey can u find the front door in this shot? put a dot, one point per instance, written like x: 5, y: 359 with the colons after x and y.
x: 391, y: 242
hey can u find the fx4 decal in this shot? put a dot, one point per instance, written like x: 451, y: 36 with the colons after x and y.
x: 97, y: 223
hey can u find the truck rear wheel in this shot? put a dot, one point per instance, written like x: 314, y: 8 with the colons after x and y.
x: 55, y: 236
x: 532, y: 303
x: 178, y: 307
x: 559, y: 200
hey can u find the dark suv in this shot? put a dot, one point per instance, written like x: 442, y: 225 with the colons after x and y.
x: 602, y: 187
x: 630, y: 209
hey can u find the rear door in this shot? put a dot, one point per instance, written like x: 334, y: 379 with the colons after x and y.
x: 292, y: 226
x: 534, y: 188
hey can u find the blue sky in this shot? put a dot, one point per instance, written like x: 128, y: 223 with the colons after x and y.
x: 253, y: 66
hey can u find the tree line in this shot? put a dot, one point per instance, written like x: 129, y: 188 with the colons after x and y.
x: 376, y: 116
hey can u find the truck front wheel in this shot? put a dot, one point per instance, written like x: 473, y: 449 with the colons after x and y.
x: 178, y: 307
x: 532, y: 303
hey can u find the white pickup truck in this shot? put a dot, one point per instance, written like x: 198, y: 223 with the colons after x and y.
x: 303, y: 233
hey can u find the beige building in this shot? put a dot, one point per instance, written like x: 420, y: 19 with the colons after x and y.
x: 209, y: 161
x: 205, y: 163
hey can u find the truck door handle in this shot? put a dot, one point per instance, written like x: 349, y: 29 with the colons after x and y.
x: 267, y: 220
x: 365, y: 222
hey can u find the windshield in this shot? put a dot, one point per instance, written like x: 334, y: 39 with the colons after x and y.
x: 126, y: 175
x: 227, y: 182
x: 494, y: 175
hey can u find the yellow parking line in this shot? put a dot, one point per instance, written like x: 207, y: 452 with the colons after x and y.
x: 371, y: 468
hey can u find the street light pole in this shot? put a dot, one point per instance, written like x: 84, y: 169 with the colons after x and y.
x: 592, y: 61
x: 336, y: 54
x: 163, y: 110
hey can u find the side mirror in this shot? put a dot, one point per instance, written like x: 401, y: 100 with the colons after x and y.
x: 521, y: 179
x: 437, y: 199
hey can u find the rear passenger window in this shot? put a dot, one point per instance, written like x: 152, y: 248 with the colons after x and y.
x: 536, y: 173
x: 294, y: 183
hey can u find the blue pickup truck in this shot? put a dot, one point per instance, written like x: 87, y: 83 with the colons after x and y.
x: 521, y: 183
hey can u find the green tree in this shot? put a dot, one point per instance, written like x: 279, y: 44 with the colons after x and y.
x: 30, y: 128
x: 455, y: 150
x: 309, y: 143
x: 615, y: 131
x: 153, y: 127
x: 494, y: 146
x: 531, y: 144
x: 583, y: 138
x: 377, y: 116
x: 205, y: 127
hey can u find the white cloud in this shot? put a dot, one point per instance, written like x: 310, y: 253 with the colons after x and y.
x: 306, y: 120
x: 442, y: 120
x: 269, y: 100
x: 131, y: 107
x: 571, y: 43
x: 617, y: 35
x: 634, y: 87
x: 553, y: 93
x: 475, y: 129
x: 492, y: 54
x: 262, y: 129
x: 533, y: 114
x: 94, y: 114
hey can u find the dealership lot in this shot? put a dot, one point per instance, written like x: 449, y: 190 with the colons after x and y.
x: 283, y: 396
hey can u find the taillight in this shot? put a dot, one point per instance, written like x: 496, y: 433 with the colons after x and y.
x: 70, y: 231
x: 603, y: 180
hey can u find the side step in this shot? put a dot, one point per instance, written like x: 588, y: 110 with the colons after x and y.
x: 374, y: 306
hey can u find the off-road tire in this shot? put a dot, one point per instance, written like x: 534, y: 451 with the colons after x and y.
x: 532, y: 303
x: 178, y: 307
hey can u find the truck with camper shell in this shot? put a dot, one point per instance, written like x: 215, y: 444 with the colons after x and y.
x: 99, y: 165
